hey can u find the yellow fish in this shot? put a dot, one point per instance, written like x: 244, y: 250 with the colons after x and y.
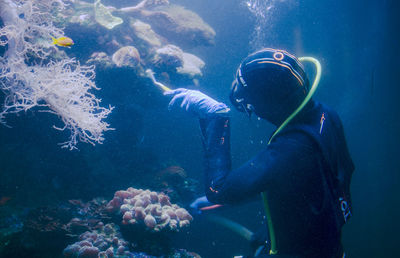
x: 63, y: 41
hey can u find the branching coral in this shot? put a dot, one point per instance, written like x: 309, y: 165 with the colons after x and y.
x: 31, y: 78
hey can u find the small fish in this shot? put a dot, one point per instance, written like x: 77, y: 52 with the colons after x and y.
x: 63, y: 41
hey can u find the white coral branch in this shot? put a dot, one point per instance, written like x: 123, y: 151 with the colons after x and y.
x: 61, y: 87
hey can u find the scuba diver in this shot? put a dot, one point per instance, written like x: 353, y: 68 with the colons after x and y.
x: 304, y: 172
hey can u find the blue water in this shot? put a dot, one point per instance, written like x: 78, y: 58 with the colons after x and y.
x: 357, y: 44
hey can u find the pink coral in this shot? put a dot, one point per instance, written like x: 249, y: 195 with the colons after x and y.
x: 184, y: 223
x: 123, y: 194
x: 106, y: 241
x: 88, y: 252
x: 150, y: 221
x: 114, y: 204
x: 139, y: 213
x: 127, y: 216
x: 164, y: 200
x: 152, y: 209
x: 171, y: 213
x: 183, y: 214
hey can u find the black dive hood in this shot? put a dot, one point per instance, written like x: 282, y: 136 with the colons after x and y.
x: 271, y: 83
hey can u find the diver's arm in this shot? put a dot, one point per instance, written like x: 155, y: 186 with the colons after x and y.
x: 285, y: 155
x: 216, y: 143
x: 281, y: 161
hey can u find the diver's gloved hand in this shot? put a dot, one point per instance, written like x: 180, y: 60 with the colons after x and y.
x: 195, y: 102
x: 198, y: 204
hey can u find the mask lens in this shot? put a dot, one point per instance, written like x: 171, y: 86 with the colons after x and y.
x: 233, y: 96
x: 237, y: 97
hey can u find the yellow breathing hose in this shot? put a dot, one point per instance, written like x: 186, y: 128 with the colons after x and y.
x: 150, y: 74
x: 317, y: 64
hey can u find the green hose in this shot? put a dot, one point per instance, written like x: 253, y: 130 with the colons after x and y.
x: 273, y: 249
x: 232, y: 225
x: 308, y: 97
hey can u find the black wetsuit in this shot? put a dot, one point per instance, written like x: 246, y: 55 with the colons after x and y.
x: 300, y: 172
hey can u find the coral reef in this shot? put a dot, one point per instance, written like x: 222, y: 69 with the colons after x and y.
x: 106, y: 241
x: 150, y: 26
x: 104, y: 17
x: 151, y: 209
x: 191, y: 66
x: 100, y: 59
x: 28, y: 67
x: 38, y: 76
x: 175, y: 23
x: 179, y: 25
x: 46, y: 231
x: 78, y: 12
x: 40, y: 225
x: 46, y: 219
x: 172, y: 58
x: 68, y: 219
x: 49, y: 229
x: 168, y: 57
x: 31, y: 77
x: 85, y: 215
x: 144, y: 4
x: 144, y: 32
x: 126, y: 56
x: 103, y: 238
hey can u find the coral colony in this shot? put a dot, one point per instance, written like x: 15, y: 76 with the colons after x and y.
x: 106, y: 241
x: 154, y: 210
x: 150, y: 211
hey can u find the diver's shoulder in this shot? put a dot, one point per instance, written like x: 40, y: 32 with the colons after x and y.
x: 297, y: 137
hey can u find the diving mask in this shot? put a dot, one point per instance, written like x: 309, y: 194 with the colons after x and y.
x: 239, y: 95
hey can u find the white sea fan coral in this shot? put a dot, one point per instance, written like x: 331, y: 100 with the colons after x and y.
x: 62, y: 87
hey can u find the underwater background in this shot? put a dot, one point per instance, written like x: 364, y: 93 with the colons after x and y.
x: 357, y: 44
